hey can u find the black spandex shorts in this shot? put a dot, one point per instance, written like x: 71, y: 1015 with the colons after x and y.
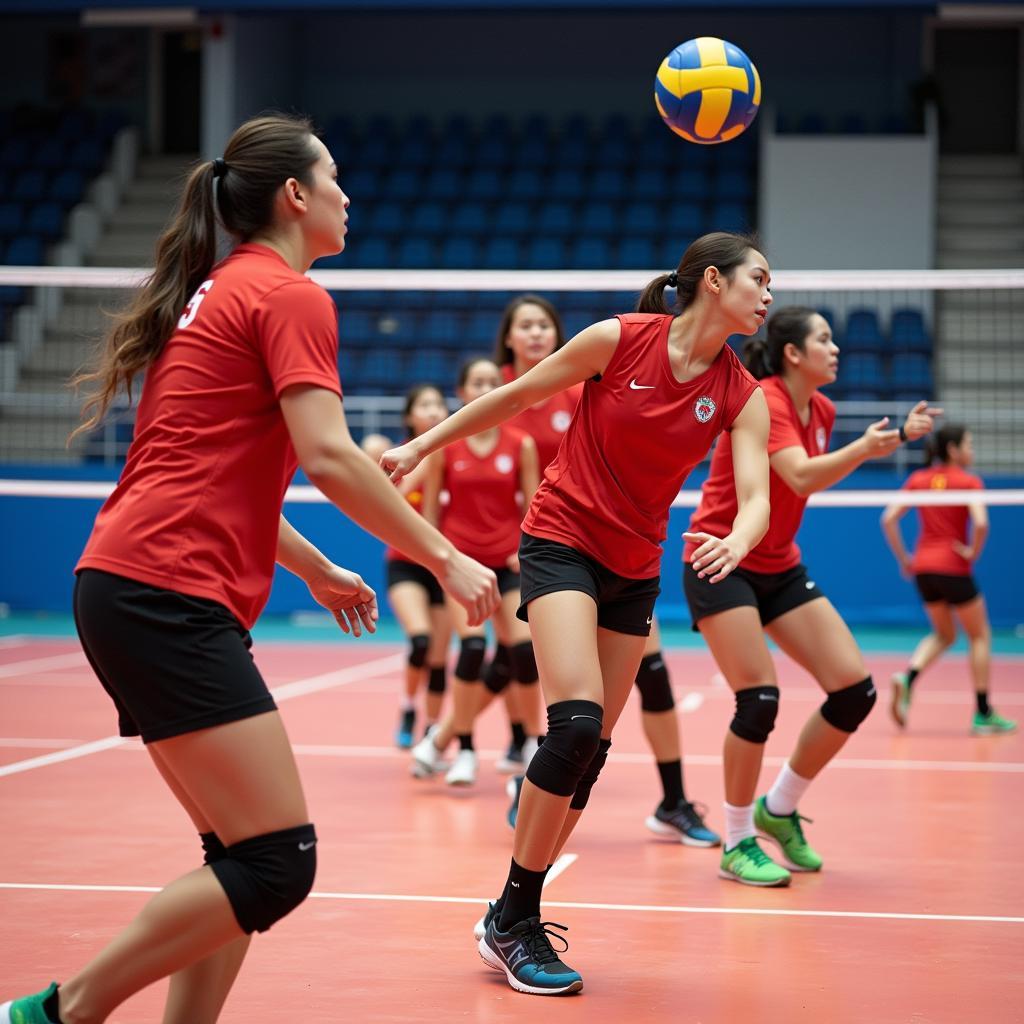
x: 933, y: 587
x: 507, y: 579
x: 771, y: 593
x: 400, y: 571
x: 171, y: 663
x: 623, y: 605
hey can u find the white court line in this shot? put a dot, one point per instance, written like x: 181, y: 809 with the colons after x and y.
x: 635, y: 908
x: 37, y: 743
x: 691, y: 702
x: 314, y: 684
x: 19, y: 668
x: 565, y: 861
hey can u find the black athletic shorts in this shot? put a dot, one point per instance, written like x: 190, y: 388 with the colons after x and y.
x: 933, y: 587
x: 171, y: 663
x: 771, y: 593
x: 623, y: 605
x: 400, y: 571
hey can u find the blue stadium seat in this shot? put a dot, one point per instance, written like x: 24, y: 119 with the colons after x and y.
x: 524, y: 184
x: 910, y: 376
x: 732, y: 185
x: 493, y: 152
x: 532, y: 151
x: 555, y: 219
x: 483, y: 183
x: 460, y: 253
x: 67, y: 188
x: 47, y: 221
x: 590, y: 254
x: 613, y: 151
x: 452, y: 152
x: 642, y: 218
x: 512, y: 219
x: 547, y: 253
x: 50, y: 154
x: 500, y: 253
x: 374, y: 252
x: 863, y: 333
x: 12, y: 219
x: 361, y: 184
x: 470, y: 219
x: 908, y: 332
x: 598, y: 219
x: 87, y: 156
x: 863, y: 371
x: 690, y: 184
x: 388, y: 218
x: 356, y: 328
x: 480, y: 329
x: 413, y: 152
x: 650, y: 183
x: 564, y: 183
x: 428, y: 218
x: 403, y: 184
x: 444, y: 183
x: 431, y: 366
x: 441, y: 327
x: 24, y: 251
x: 380, y: 367
x: 571, y: 152
x: 685, y: 220
x: 15, y: 154
x: 29, y: 187
x: 607, y: 183
x: 637, y: 251
x: 730, y: 217
x: 415, y: 253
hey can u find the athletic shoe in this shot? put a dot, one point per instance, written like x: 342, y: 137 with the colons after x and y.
x: 511, y: 762
x: 28, y: 1009
x: 480, y: 928
x: 788, y: 835
x: 525, y: 954
x: 746, y: 862
x: 406, y: 726
x: 684, y: 823
x: 899, y: 699
x: 463, y: 769
x: 991, y: 724
x: 514, y: 789
x: 426, y: 758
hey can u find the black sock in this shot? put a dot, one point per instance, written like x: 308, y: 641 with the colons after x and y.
x: 912, y: 674
x: 51, y: 1007
x: 671, y: 773
x: 982, y: 698
x: 518, y: 734
x: 499, y: 903
x: 466, y: 741
x: 522, y: 896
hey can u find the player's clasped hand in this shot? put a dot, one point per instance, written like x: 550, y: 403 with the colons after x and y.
x: 920, y: 421
x: 399, y: 462
x: 474, y: 586
x: 716, y: 555
x: 880, y: 440
x: 352, y: 602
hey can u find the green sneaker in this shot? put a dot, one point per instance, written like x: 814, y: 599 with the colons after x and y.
x: 992, y: 724
x: 746, y: 862
x: 899, y: 703
x: 788, y: 835
x: 28, y: 1009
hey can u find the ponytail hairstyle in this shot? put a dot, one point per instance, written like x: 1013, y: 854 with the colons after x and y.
x: 763, y: 357
x: 722, y: 249
x: 503, y: 355
x: 241, y: 188
x: 936, y: 448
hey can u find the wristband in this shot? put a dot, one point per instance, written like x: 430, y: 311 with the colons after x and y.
x: 903, y: 433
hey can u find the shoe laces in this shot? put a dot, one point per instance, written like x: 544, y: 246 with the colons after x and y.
x: 795, y: 819
x: 538, y: 943
x: 755, y: 854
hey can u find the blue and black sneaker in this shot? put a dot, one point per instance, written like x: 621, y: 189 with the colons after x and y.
x: 685, y: 823
x: 525, y: 954
x: 514, y: 790
x: 480, y: 928
x: 406, y: 726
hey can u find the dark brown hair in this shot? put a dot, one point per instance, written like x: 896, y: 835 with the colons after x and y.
x: 936, y: 448
x: 788, y: 326
x: 503, y: 355
x: 411, y: 397
x: 722, y: 249
x: 261, y: 155
x: 460, y: 380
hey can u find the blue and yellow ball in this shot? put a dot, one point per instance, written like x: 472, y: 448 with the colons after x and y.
x: 707, y: 90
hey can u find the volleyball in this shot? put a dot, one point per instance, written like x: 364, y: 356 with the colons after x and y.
x: 707, y: 90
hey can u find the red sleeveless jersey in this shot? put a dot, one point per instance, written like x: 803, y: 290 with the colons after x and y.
x: 415, y: 499
x: 777, y: 550
x: 197, y: 507
x: 483, y: 512
x: 941, y: 525
x: 636, y: 435
x: 547, y: 421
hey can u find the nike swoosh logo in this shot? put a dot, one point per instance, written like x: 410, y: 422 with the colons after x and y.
x: 573, y: 719
x: 307, y: 846
x: 640, y: 387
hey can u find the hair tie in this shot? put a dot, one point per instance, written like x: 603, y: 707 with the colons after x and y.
x: 673, y: 280
x: 220, y: 168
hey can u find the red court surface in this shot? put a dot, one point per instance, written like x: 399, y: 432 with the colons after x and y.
x: 917, y: 917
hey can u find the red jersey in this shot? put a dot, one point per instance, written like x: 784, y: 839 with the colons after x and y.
x: 941, y: 525
x: 415, y: 498
x: 777, y: 550
x: 197, y: 507
x: 482, y: 515
x: 547, y: 421
x: 636, y: 435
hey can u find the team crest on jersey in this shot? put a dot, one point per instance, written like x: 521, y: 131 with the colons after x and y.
x: 560, y: 421
x: 503, y: 463
x: 704, y: 408
x: 820, y: 438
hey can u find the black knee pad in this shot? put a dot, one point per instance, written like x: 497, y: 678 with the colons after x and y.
x: 498, y: 673
x: 756, y: 709
x: 213, y: 848
x: 268, y: 876
x: 437, y: 680
x: 471, y: 659
x: 418, y: 647
x: 524, y: 663
x: 652, y: 682
x: 574, y: 735
x: 586, y: 783
x: 847, y: 708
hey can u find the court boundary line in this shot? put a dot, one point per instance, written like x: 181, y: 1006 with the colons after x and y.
x: 652, y: 908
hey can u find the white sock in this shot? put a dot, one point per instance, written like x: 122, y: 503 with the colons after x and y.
x: 739, y: 824
x: 785, y: 794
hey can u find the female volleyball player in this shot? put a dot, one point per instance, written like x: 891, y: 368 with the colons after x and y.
x: 530, y: 331
x: 659, y: 389
x: 490, y: 476
x: 941, y: 566
x: 772, y: 593
x: 414, y: 594
x: 240, y: 379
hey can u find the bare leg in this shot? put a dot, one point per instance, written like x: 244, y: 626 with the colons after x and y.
x: 938, y: 640
x: 974, y: 618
